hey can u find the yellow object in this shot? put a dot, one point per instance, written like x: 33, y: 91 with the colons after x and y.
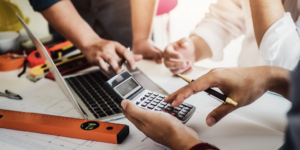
x: 230, y: 101
x: 8, y: 18
x: 39, y: 70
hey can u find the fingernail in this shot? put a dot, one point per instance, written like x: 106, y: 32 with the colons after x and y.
x: 211, y: 121
x: 124, y: 104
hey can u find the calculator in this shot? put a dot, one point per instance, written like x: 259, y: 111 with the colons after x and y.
x: 124, y: 86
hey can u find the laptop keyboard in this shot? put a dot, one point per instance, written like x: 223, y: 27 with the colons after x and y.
x: 93, y: 92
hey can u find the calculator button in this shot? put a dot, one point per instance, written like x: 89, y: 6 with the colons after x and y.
x: 144, y: 104
x: 147, y: 101
x: 150, y: 107
x: 181, y: 113
x: 173, y: 114
x: 162, y: 97
x: 156, y: 101
x: 152, y: 97
x: 142, y: 98
x: 177, y: 108
x: 168, y: 108
x: 176, y: 111
x: 161, y: 106
x: 137, y: 103
x: 154, y: 104
x: 155, y: 94
x: 184, y: 111
x: 187, y: 105
x: 186, y: 108
x: 150, y: 93
x: 181, y: 106
x: 163, y: 103
x: 157, y: 109
x: 147, y: 95
x: 180, y: 117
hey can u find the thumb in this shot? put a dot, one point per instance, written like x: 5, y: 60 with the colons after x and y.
x: 217, y: 114
x: 184, y: 43
x: 132, y: 110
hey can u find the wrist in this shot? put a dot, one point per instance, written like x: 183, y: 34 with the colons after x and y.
x: 278, y: 80
x: 88, y: 43
x: 202, y: 49
x: 180, y: 142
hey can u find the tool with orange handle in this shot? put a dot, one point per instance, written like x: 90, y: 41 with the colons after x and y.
x: 64, y: 126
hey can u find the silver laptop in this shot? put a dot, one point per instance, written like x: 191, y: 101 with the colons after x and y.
x: 87, y: 91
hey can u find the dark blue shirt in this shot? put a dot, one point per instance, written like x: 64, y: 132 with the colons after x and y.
x: 292, y: 136
x: 40, y: 5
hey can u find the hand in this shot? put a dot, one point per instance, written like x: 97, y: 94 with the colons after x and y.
x: 103, y: 52
x: 243, y: 85
x: 161, y: 127
x: 179, y: 56
x: 148, y: 50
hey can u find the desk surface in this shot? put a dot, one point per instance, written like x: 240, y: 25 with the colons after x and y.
x: 268, y: 105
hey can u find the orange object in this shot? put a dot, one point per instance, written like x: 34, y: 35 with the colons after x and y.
x: 60, y: 46
x: 8, y: 64
x: 63, y: 126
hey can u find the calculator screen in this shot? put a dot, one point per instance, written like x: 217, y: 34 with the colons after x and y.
x: 127, y: 87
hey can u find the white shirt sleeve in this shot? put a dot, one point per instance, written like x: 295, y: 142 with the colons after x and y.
x: 224, y: 22
x: 280, y: 45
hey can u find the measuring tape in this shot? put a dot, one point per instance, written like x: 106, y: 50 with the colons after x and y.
x: 64, y: 126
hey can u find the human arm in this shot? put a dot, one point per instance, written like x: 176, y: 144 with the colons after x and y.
x: 66, y: 20
x: 161, y: 127
x: 264, y: 14
x: 142, y: 13
x: 276, y: 33
x: 224, y: 22
x: 243, y: 85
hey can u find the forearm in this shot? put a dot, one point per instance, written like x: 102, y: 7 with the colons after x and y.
x: 264, y: 14
x: 279, y: 81
x: 142, y: 12
x: 66, y: 20
x: 202, y: 50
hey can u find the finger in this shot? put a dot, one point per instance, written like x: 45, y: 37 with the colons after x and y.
x: 103, y: 65
x: 159, y: 55
x: 113, y: 63
x: 175, y: 64
x: 189, y: 70
x: 170, y: 52
x: 217, y: 114
x: 183, y: 43
x: 134, y: 111
x: 126, y: 54
x: 138, y: 57
x: 204, y: 82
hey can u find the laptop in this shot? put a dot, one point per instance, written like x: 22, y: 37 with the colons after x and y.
x: 93, y: 98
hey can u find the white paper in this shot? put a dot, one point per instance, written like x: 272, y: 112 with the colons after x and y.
x: 236, y: 132
x: 46, y: 97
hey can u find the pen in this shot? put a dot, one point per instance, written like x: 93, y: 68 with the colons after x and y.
x: 123, y: 61
x: 210, y: 91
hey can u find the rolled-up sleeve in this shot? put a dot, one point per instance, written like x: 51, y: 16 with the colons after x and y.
x: 40, y: 5
x: 224, y: 22
x: 280, y: 45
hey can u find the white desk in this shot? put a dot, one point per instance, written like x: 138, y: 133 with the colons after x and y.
x: 269, y: 111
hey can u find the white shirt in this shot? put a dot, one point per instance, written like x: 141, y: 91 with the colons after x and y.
x: 229, y: 19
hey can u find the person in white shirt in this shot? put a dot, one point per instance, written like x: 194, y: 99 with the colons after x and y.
x: 229, y: 19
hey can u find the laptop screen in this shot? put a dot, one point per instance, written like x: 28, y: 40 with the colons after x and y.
x: 48, y: 60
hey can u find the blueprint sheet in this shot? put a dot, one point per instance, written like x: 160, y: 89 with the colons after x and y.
x: 45, y: 97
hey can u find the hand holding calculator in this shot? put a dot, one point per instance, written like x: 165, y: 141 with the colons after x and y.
x: 124, y: 86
